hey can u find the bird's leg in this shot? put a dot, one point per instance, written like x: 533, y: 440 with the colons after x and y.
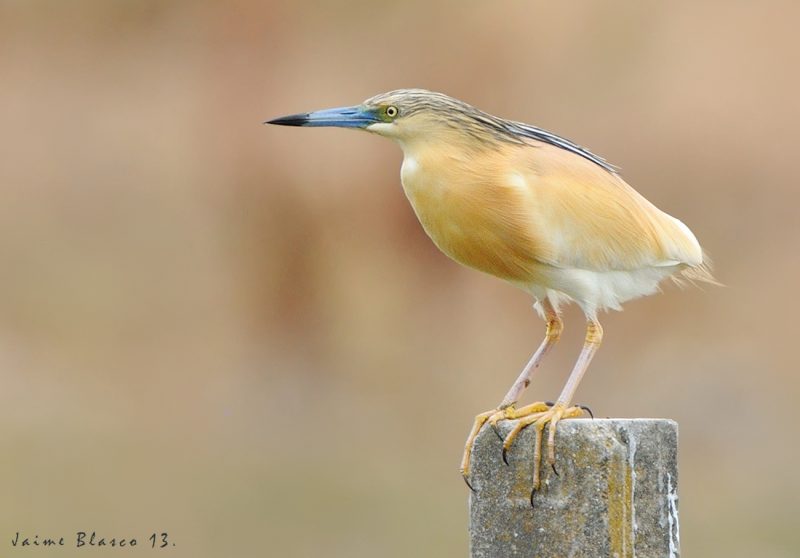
x: 554, y: 328
x: 560, y: 410
x: 506, y: 409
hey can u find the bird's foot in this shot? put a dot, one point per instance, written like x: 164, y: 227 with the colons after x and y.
x: 539, y: 419
x: 493, y: 417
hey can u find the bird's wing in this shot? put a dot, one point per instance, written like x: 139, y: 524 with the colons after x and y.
x: 588, y: 218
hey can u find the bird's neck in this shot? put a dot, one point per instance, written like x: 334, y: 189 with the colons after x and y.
x: 437, y: 142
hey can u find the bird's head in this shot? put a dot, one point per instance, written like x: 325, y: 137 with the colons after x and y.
x: 417, y: 117
x: 403, y: 115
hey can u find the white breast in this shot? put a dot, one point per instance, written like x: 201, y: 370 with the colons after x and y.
x: 409, y: 172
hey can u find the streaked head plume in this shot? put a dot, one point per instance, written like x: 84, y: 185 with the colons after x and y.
x: 409, y: 113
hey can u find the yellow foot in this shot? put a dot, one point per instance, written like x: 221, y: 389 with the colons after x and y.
x: 551, y: 415
x: 493, y: 417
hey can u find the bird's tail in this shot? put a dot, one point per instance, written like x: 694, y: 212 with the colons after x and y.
x: 697, y: 274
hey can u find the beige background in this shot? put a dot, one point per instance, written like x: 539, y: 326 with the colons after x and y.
x: 240, y: 335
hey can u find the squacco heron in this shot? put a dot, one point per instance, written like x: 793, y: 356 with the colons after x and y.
x: 534, y: 209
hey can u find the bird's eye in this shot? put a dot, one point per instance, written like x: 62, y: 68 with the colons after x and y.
x: 391, y: 111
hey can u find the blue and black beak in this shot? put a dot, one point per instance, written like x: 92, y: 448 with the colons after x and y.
x: 344, y: 117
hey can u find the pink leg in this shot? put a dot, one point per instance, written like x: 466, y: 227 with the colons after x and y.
x: 554, y: 328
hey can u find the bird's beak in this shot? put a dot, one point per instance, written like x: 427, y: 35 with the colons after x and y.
x: 344, y: 117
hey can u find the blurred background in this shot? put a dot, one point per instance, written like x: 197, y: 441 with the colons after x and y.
x: 241, y: 336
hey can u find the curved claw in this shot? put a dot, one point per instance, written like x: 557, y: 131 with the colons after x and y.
x: 497, y: 430
x: 533, y: 491
x: 466, y: 481
x: 553, y: 466
x: 505, y: 456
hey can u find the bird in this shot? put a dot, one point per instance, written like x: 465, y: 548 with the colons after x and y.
x: 536, y: 210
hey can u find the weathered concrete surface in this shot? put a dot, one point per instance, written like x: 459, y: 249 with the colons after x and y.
x: 615, y: 496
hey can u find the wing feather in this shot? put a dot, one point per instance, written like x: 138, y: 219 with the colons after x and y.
x: 586, y: 217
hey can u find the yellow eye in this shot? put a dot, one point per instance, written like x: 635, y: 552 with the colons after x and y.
x: 391, y: 111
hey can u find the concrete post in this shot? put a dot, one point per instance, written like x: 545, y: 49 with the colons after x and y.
x: 615, y: 496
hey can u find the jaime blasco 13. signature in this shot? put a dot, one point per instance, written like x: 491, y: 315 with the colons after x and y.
x: 92, y: 539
